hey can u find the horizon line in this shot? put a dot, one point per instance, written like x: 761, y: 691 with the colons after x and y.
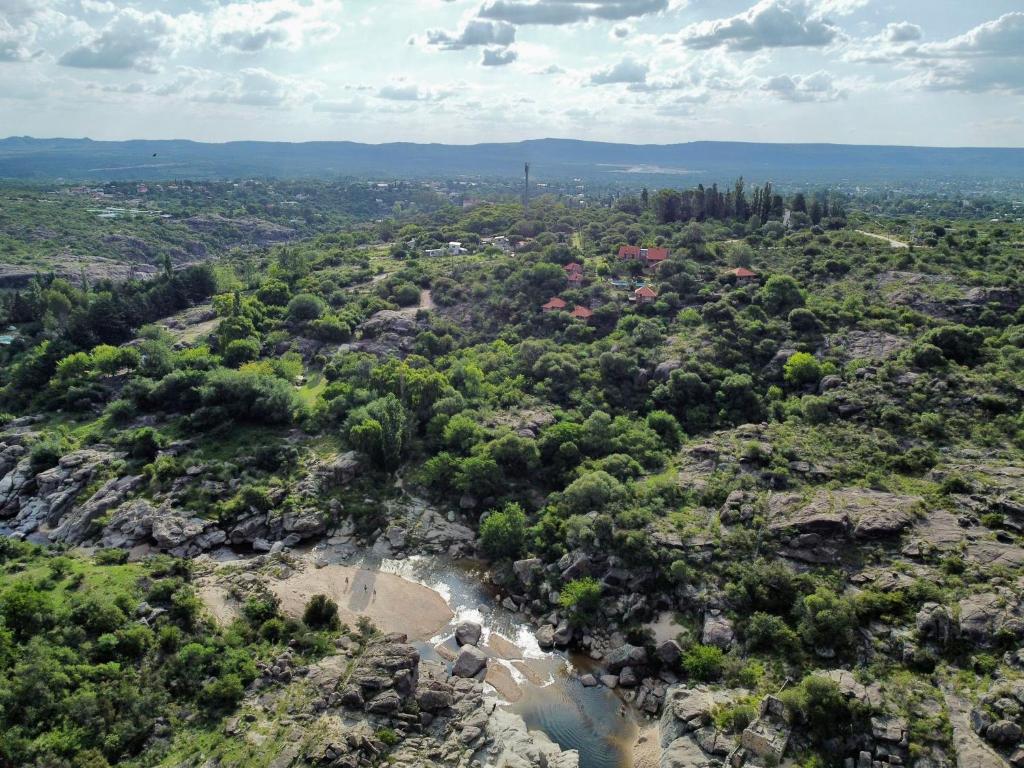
x: 510, y: 143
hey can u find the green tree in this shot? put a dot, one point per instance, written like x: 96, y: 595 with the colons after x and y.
x: 503, y: 533
x: 801, y: 368
x: 321, y: 613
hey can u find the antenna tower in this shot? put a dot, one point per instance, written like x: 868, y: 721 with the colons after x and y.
x: 526, y: 189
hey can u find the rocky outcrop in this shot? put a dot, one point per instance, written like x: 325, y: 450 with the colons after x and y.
x: 164, y: 528
x: 31, y: 500
x: 813, y: 529
x: 986, y: 615
x: 517, y: 747
x: 686, y: 729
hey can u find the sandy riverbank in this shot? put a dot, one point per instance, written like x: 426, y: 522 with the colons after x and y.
x: 647, y: 748
x: 392, y: 603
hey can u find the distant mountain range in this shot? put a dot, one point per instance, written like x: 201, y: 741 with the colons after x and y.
x: 552, y: 159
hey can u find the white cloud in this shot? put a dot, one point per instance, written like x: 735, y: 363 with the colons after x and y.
x: 768, y: 24
x: 405, y: 90
x: 987, y: 57
x: 248, y: 27
x: 498, y: 57
x: 626, y: 71
x: 901, y: 32
x: 1000, y: 37
x: 557, y: 12
x: 473, y: 33
x: 131, y: 40
x: 817, y: 87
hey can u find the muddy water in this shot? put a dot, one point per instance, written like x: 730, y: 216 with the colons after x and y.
x: 550, y: 697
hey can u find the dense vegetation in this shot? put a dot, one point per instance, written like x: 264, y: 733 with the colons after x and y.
x: 658, y: 431
x: 103, y: 662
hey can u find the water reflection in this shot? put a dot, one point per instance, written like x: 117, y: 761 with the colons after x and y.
x: 590, y: 720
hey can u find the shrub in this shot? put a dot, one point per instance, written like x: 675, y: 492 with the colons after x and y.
x: 222, y: 692
x: 305, y: 306
x: 503, y: 533
x: 703, y: 662
x: 47, y: 451
x: 581, y: 598
x: 241, y: 351
x: 957, y: 342
x: 766, y: 632
x: 143, y: 444
x: 827, y: 620
x: 321, y: 613
x: 819, y: 703
x: 801, y: 368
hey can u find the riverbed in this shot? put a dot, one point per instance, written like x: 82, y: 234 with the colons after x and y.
x: 541, y: 687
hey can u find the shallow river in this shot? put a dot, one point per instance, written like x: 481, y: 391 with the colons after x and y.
x: 590, y: 720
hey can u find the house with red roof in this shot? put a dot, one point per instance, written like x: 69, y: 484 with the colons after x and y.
x: 743, y: 275
x: 581, y: 313
x: 644, y: 295
x: 554, y: 304
x: 574, y: 272
x: 649, y: 257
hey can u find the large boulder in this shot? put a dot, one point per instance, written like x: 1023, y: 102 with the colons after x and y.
x: 935, y: 624
x: 985, y: 615
x: 1003, y: 732
x: 625, y: 655
x: 527, y: 570
x: 857, y: 512
x: 470, y: 661
x: 468, y: 633
x: 718, y: 630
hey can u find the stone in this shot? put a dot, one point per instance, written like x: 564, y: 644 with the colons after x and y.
x: 527, y: 570
x: 1003, y: 732
x: 628, y: 678
x: 683, y: 753
x: 574, y: 565
x: 935, y: 624
x: 669, y: 653
x: 384, y: 702
x: 545, y: 636
x: 470, y: 661
x: 625, y: 655
x: 468, y: 633
x: 984, y: 615
x: 711, y: 741
x: 610, y: 681
x: 717, y: 631
x: 588, y: 680
x: 563, y: 633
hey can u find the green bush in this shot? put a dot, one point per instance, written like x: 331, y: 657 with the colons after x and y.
x: 800, y: 369
x: 581, y: 598
x: 321, y: 613
x: 503, y: 533
x: 304, y: 307
x: 703, y: 662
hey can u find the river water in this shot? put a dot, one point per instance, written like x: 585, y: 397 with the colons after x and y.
x: 592, y: 721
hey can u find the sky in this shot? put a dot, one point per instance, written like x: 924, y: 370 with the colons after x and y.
x: 918, y: 72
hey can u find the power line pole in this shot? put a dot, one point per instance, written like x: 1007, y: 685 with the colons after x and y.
x: 526, y: 189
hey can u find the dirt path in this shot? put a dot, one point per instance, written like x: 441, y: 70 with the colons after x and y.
x: 971, y: 749
x: 889, y: 240
x: 426, y: 299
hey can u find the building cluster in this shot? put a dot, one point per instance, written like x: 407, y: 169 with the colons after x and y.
x: 641, y: 292
x: 453, y: 248
x: 649, y: 257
